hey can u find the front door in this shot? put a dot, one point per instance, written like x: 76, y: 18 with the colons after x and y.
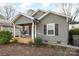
x: 26, y: 31
x: 30, y: 30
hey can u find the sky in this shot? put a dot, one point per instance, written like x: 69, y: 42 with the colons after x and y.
x: 38, y: 1
x: 35, y: 6
x: 24, y: 5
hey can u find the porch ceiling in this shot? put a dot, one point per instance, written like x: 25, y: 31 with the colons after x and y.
x: 28, y: 24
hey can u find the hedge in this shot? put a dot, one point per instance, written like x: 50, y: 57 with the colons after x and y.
x: 71, y: 33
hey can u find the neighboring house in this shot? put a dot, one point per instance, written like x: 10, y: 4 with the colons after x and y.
x: 7, y: 26
x: 50, y: 26
x: 74, y: 25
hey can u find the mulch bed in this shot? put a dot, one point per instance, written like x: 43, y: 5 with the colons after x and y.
x: 25, y: 50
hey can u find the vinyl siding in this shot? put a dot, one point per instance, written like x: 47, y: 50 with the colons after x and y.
x: 63, y: 29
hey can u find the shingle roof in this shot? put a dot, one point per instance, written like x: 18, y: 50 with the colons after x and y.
x: 47, y: 12
x: 17, y: 16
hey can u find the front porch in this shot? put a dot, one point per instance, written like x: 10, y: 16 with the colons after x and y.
x: 28, y: 28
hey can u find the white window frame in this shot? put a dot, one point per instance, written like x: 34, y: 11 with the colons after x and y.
x: 53, y: 29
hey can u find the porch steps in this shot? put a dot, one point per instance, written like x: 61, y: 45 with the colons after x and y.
x: 24, y: 40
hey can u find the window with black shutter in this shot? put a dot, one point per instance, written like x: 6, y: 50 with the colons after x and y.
x: 51, y: 29
x: 56, y: 29
x: 45, y: 29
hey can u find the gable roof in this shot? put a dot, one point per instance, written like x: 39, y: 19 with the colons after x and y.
x: 39, y: 10
x: 42, y: 16
x: 19, y: 15
x: 48, y: 12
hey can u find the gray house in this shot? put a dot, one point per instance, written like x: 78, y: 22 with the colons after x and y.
x: 50, y: 26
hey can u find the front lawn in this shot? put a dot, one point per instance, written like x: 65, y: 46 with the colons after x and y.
x: 15, y: 49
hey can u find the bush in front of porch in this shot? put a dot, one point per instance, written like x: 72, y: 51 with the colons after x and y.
x: 38, y: 41
x: 5, y: 37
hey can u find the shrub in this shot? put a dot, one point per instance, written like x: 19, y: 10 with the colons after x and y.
x: 5, y: 37
x: 38, y: 41
x: 71, y: 33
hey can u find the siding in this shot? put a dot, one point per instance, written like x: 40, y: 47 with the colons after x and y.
x: 63, y: 29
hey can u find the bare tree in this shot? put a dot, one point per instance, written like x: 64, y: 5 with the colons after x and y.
x: 7, y: 11
x: 66, y: 9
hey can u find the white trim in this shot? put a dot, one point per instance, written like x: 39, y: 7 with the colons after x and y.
x: 53, y: 29
x: 32, y: 32
x: 28, y: 16
x: 37, y: 12
x: 43, y: 15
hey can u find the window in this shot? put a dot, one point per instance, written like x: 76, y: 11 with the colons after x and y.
x: 51, y: 29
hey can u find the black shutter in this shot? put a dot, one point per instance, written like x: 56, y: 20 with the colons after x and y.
x: 56, y: 29
x: 45, y: 29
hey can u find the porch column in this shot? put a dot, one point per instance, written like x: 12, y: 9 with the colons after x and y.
x: 35, y: 31
x: 14, y: 30
x: 32, y: 31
